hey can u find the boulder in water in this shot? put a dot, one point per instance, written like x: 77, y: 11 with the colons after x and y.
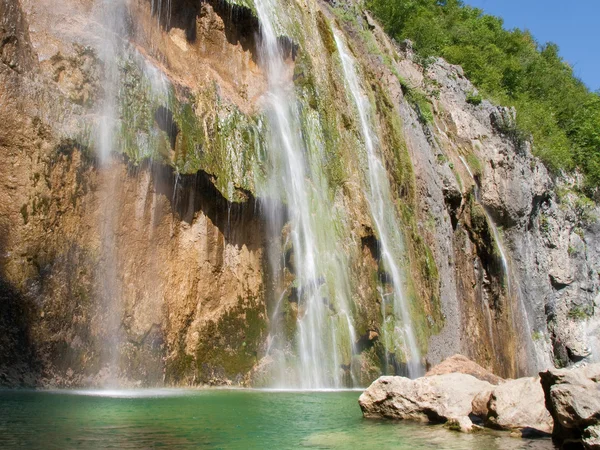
x: 461, y: 399
x: 516, y: 405
x: 436, y: 398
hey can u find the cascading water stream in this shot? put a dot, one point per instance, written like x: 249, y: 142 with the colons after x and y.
x: 383, y: 213
x: 157, y: 9
x: 513, y: 292
x: 321, y: 285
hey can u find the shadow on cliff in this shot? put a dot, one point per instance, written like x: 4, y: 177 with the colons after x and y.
x: 241, y: 223
x: 241, y: 26
x: 19, y: 365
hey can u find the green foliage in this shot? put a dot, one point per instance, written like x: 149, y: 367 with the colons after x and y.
x: 585, y: 132
x: 585, y: 210
x: 474, y: 99
x: 578, y: 313
x: 474, y: 164
x: 419, y: 101
x: 544, y: 223
x: 345, y: 14
x: 555, y: 108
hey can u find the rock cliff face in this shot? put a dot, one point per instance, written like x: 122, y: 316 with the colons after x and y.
x: 135, y: 250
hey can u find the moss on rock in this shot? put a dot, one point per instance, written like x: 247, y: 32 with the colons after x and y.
x: 229, y: 347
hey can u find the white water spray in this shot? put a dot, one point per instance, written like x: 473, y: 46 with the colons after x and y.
x: 114, y: 51
x: 324, y: 336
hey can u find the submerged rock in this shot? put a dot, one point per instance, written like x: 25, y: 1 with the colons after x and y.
x: 462, y: 364
x: 573, y: 399
x: 436, y: 399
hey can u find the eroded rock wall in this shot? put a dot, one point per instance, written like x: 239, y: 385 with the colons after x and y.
x: 150, y: 266
x: 114, y: 263
x: 474, y: 173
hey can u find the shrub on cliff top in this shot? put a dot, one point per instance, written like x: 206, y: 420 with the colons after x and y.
x: 511, y: 68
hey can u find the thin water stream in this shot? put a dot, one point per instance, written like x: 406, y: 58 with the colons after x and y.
x: 114, y: 123
x: 539, y: 356
x: 111, y: 17
x: 397, y: 327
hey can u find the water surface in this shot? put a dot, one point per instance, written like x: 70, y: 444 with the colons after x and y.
x: 217, y: 419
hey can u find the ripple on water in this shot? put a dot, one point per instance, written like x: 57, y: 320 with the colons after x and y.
x: 125, y: 393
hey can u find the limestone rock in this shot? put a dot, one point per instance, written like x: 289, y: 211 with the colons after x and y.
x: 462, y: 364
x: 561, y: 276
x: 458, y: 399
x: 591, y: 437
x: 573, y: 399
x: 516, y: 405
x: 504, y: 119
x: 185, y: 265
x: 437, y: 398
x: 480, y: 403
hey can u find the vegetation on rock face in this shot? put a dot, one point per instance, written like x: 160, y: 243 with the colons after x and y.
x: 190, y: 131
x: 555, y: 108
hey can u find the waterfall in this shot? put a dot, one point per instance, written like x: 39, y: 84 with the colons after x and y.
x: 513, y: 291
x: 325, y: 336
x: 115, y: 122
x: 111, y: 18
x: 397, y: 327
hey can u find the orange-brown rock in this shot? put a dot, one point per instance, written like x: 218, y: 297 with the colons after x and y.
x: 462, y: 364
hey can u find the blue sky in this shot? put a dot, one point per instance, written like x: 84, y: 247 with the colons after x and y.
x: 574, y: 25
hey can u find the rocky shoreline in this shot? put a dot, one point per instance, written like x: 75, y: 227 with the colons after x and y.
x: 562, y: 403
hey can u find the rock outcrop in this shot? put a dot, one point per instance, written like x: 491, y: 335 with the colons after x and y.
x: 573, y: 399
